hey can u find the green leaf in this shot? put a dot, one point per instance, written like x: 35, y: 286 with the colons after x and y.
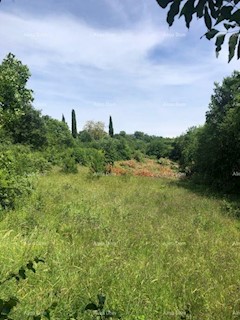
x: 199, y: 8
x: 210, y: 34
x: 228, y: 26
x: 219, y: 3
x: 219, y: 41
x: 22, y: 273
x: 46, y: 314
x: 9, y: 305
x: 37, y: 260
x: 188, y: 11
x: 30, y: 266
x: 232, y: 45
x: 173, y: 11
x: 211, y: 5
x: 207, y: 19
x: 235, y: 16
x: 91, y: 306
x: 101, y: 300
x: 163, y: 3
x: 225, y: 14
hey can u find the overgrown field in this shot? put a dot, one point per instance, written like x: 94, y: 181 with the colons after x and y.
x: 157, y: 250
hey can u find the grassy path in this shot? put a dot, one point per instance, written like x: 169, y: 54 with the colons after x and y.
x: 152, y: 247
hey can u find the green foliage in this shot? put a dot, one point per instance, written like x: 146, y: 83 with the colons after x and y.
x: 6, y: 306
x: 21, y: 274
x: 68, y: 164
x: 218, y: 153
x: 29, y: 128
x: 109, y: 146
x: 14, y: 96
x: 58, y: 134
x: 123, y: 149
x: 223, y: 13
x: 189, y: 146
x: 18, y: 119
x: 232, y: 209
x: 157, y: 148
x: 90, y: 157
x: 17, y: 166
x: 98, y: 309
x: 138, y: 156
x: 85, y: 136
x: 212, y: 152
x: 98, y: 162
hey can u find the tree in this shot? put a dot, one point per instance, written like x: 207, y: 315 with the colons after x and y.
x: 74, y: 125
x: 111, y: 131
x: 15, y: 98
x: 224, y: 13
x: 157, y: 148
x: 95, y: 129
x: 30, y: 129
x: 63, y: 118
x: 85, y: 136
x: 218, y: 153
x: 58, y: 133
x: 18, y: 119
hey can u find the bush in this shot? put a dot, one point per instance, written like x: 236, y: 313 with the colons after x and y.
x: 18, y: 165
x: 98, y: 164
x: 69, y: 165
x: 138, y: 156
x: 92, y: 158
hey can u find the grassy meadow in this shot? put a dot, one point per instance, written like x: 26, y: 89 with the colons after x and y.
x: 155, y: 248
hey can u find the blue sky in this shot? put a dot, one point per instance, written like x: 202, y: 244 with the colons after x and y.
x: 114, y: 57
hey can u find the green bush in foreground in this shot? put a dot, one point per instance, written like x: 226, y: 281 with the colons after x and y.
x: 18, y: 169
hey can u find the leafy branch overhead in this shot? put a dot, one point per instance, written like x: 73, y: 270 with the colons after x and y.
x: 221, y: 17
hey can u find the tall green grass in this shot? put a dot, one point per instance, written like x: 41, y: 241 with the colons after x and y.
x: 153, y: 248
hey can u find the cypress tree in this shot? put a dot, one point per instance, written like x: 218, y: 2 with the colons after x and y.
x: 111, y: 132
x: 63, y: 118
x: 74, y: 124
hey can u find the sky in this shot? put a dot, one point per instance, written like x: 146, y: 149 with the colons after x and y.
x: 114, y: 57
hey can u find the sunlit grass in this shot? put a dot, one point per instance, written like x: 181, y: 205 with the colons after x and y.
x: 151, y: 246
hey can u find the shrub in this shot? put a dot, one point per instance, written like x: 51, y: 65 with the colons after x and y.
x: 138, y: 156
x: 98, y: 164
x: 18, y: 165
x: 69, y: 165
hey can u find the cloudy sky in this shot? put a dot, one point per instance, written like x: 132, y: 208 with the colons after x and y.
x: 113, y: 57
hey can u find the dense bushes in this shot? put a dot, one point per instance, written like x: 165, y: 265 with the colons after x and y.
x: 92, y: 158
x: 211, y: 153
x: 18, y: 164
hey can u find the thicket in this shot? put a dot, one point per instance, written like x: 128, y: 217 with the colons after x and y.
x: 18, y: 166
x: 211, y: 153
